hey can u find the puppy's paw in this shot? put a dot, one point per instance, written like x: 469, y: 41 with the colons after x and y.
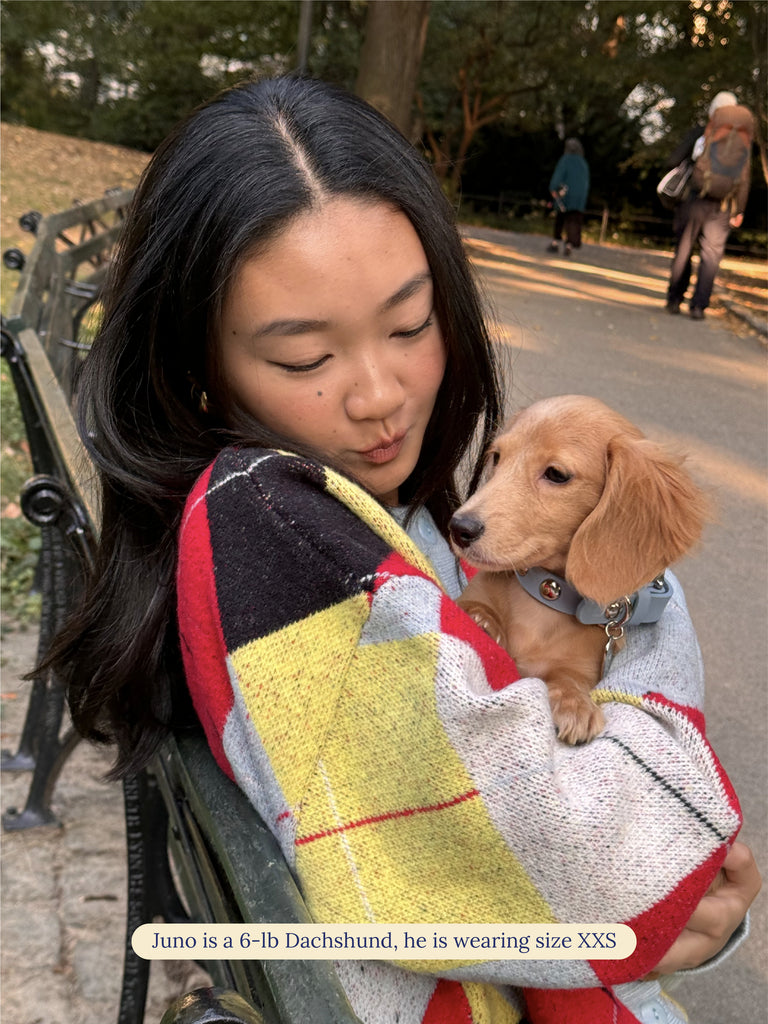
x: 577, y: 718
x: 485, y: 619
x: 490, y: 627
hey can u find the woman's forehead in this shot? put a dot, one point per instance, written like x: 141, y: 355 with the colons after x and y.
x: 345, y: 250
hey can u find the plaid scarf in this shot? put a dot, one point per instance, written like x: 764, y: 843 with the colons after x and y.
x: 407, y: 772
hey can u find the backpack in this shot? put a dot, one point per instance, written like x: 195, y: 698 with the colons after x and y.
x: 725, y: 159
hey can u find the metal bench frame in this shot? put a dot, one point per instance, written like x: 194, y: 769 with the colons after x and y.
x: 197, y: 850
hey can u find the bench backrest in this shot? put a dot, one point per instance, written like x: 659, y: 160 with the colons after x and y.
x: 197, y: 849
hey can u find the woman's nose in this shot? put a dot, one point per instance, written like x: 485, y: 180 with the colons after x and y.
x: 374, y: 391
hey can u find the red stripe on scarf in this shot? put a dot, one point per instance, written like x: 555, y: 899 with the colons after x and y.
x: 405, y: 812
x: 448, y: 1005
x: 656, y: 929
x: 697, y: 719
x: 500, y: 669
x: 576, y: 1006
x: 205, y: 652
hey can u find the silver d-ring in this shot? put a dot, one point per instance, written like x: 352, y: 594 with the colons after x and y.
x: 620, y: 612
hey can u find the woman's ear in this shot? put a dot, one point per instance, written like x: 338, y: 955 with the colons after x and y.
x: 650, y: 514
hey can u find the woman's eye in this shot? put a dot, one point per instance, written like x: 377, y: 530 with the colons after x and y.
x: 556, y: 476
x: 303, y: 367
x: 416, y: 331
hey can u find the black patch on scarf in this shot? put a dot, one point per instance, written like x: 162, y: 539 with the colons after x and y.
x: 283, y: 548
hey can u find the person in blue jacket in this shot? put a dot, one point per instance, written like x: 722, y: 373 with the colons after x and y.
x: 569, y: 187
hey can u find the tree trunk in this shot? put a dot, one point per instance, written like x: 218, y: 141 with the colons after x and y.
x: 759, y: 29
x: 390, y: 59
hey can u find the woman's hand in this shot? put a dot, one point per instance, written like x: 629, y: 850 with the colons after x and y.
x: 717, y: 916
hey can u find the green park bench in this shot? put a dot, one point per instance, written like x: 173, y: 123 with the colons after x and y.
x: 197, y: 850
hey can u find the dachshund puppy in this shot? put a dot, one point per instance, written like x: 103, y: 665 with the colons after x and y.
x: 573, y: 488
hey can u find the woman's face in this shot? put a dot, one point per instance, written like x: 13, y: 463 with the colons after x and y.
x: 329, y: 337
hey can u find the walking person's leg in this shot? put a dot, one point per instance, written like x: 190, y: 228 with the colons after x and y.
x: 713, y: 237
x: 572, y: 230
x: 579, y: 226
x: 558, y: 231
x: 687, y: 223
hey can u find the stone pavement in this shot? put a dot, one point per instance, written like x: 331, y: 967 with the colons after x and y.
x: 64, y: 889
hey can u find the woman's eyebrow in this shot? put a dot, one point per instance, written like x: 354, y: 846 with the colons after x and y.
x: 285, y: 328
x: 288, y: 327
x: 409, y: 289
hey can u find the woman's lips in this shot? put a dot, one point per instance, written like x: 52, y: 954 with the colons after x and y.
x: 384, y: 451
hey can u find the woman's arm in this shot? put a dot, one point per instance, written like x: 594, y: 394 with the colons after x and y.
x: 718, y: 916
x: 405, y: 771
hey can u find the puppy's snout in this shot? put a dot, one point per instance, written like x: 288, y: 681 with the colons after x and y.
x: 465, y: 530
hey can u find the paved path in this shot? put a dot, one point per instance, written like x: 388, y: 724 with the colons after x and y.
x: 591, y: 324
x: 64, y: 889
x: 595, y: 324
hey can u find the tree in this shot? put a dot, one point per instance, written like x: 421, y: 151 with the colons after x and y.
x: 501, y: 82
x: 757, y: 21
x: 56, y: 57
x: 486, y: 62
x: 126, y: 70
x: 336, y: 39
x: 686, y: 52
x: 506, y: 82
x: 395, y: 33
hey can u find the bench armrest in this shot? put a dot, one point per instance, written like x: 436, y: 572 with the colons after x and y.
x: 226, y: 855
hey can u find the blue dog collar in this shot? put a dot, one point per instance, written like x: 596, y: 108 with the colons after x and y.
x: 645, y: 605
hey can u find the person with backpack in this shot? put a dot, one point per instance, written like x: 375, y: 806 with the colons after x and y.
x: 569, y: 187
x: 715, y: 200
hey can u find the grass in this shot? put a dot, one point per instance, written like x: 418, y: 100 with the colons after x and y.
x: 45, y: 172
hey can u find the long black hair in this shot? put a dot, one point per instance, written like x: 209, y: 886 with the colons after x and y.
x: 224, y: 183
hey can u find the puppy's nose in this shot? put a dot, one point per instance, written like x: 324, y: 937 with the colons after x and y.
x: 465, y: 530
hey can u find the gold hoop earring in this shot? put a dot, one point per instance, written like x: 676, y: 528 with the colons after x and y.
x: 197, y: 394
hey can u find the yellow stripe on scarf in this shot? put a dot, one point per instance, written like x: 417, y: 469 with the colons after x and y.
x: 605, y: 696
x: 489, y: 1006
x: 290, y: 680
x: 379, y: 520
x: 389, y: 821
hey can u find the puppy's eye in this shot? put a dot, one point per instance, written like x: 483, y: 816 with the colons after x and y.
x: 489, y: 465
x: 491, y: 462
x: 556, y: 476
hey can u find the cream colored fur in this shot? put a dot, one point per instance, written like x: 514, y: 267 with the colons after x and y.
x: 626, y: 511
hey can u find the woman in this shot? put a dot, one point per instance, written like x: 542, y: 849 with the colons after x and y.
x: 292, y: 366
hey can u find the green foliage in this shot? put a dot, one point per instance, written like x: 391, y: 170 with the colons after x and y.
x: 497, y: 75
x: 504, y: 83
x: 629, y: 77
x: 126, y: 71
x: 19, y: 540
x: 337, y: 33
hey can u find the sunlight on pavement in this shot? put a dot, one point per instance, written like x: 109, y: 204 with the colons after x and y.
x: 521, y: 279
x: 567, y: 278
x: 718, y: 466
x: 707, y: 365
x: 507, y: 255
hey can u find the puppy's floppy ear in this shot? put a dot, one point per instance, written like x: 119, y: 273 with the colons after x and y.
x: 649, y: 515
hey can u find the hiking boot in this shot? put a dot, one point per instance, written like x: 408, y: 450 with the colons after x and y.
x: 553, y: 247
x: 673, y: 306
x: 567, y: 250
x: 697, y: 313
